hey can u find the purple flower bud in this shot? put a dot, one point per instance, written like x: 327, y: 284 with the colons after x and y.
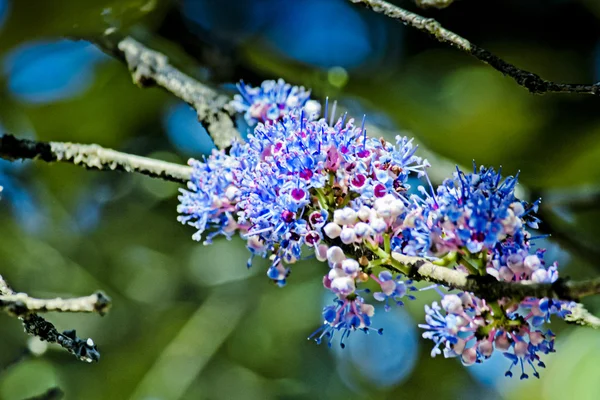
x: 288, y: 216
x: 317, y: 218
x: 298, y: 195
x: 379, y: 190
x: 312, y: 238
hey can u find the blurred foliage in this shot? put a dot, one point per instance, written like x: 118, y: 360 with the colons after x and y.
x: 190, y: 321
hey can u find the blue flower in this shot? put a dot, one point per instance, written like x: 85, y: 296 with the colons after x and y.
x: 477, y: 211
x: 441, y: 329
x: 211, y: 196
x: 525, y: 351
x: 271, y: 101
x: 391, y: 288
x: 345, y: 316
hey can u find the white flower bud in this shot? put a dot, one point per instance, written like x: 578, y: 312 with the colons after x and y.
x: 532, y: 262
x: 517, y: 208
x: 397, y: 207
x: 378, y: 225
x: 540, y: 276
x: 350, y: 266
x: 506, y: 274
x: 335, y: 273
x: 459, y: 346
x: 345, y: 216
x: 364, y: 213
x: 231, y: 192
x: 335, y: 255
x: 367, y: 309
x: 452, y: 304
x: 343, y: 285
x: 332, y: 230
x: 321, y: 252
x: 312, y: 108
x: 361, y: 229
x: 347, y: 235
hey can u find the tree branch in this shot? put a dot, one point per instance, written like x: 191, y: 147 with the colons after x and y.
x: 91, y: 157
x: 489, y: 288
x: 149, y: 67
x: 16, y: 304
x: 20, y: 304
x: 434, y: 3
x: 533, y: 82
x: 580, y: 316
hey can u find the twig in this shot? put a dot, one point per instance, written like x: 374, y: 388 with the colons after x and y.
x: 20, y: 304
x: 91, y: 157
x: 489, y: 288
x: 533, y: 82
x: 580, y: 316
x: 149, y: 67
x: 434, y: 3
x: 84, y: 350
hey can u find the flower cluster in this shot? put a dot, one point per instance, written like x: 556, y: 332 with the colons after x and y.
x: 472, y: 329
x: 477, y: 219
x: 303, y: 182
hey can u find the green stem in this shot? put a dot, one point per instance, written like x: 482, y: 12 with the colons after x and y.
x: 322, y: 199
x: 447, y: 260
x: 385, y: 258
x: 386, y: 243
x: 471, y: 268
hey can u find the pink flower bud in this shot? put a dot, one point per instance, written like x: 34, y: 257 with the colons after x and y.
x: 502, y: 343
x: 469, y: 356
x: 486, y: 348
x: 321, y: 252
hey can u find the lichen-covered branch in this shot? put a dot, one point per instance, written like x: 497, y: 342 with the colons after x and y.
x: 434, y: 3
x: 488, y: 287
x: 20, y: 304
x: 533, y: 82
x: 580, y: 316
x: 83, y: 349
x: 91, y: 156
x: 149, y: 67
